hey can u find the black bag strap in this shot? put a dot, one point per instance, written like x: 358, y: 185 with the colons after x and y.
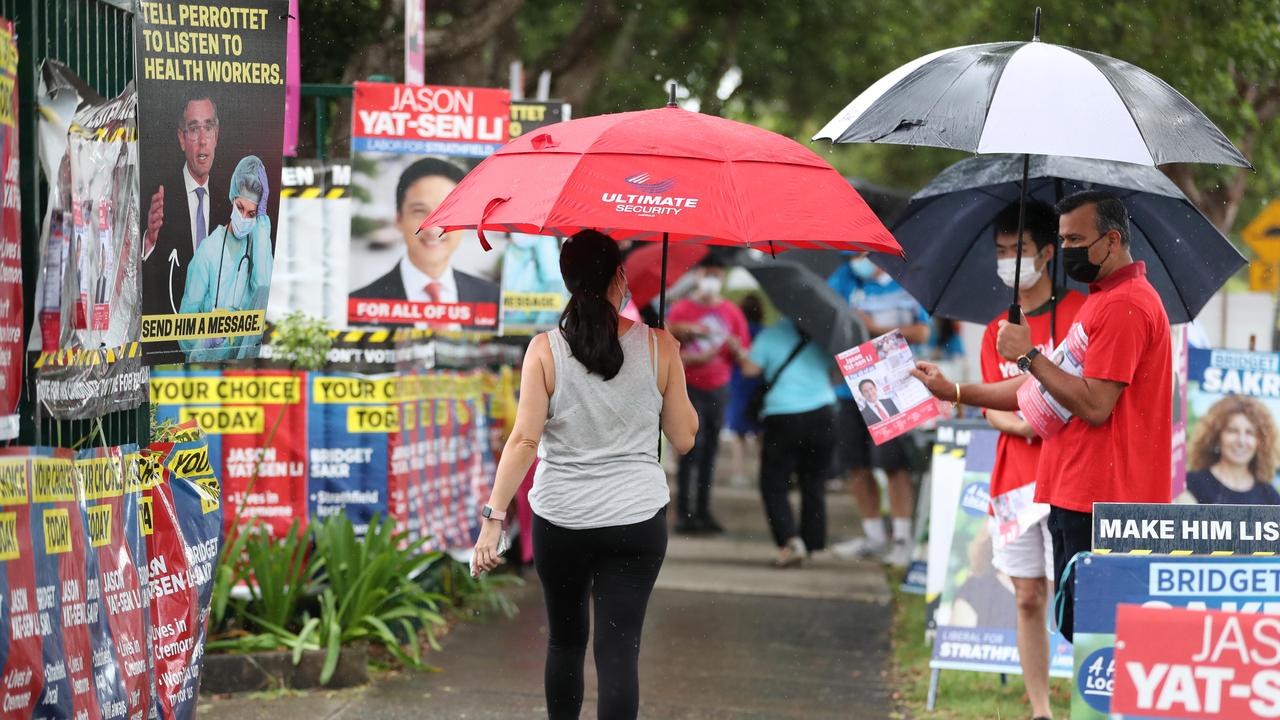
x: 769, y: 383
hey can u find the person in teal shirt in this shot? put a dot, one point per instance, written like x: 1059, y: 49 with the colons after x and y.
x: 798, y: 436
x: 231, y: 269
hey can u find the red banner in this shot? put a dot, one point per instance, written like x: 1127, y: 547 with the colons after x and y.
x: 429, y: 119
x: 1196, y: 663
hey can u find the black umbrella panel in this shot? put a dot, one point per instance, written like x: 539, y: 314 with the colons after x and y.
x: 804, y: 297
x: 946, y: 232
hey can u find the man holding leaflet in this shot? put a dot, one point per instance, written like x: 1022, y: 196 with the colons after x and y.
x: 1116, y: 441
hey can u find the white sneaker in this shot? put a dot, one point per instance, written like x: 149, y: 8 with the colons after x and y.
x: 861, y: 548
x: 899, y: 555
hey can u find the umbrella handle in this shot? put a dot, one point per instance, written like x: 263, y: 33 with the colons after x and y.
x: 1015, y: 314
x: 494, y: 203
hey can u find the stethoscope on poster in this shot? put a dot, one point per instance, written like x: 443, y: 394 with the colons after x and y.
x: 247, y: 257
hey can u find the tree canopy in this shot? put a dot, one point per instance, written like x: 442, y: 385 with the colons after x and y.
x: 790, y: 66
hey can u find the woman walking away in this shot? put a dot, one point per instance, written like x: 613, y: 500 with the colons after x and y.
x: 593, y: 393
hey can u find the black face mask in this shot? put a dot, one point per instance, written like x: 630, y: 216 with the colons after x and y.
x: 1075, y: 260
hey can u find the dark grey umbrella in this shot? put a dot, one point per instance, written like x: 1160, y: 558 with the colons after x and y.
x: 804, y: 296
x: 946, y: 230
x: 1033, y: 98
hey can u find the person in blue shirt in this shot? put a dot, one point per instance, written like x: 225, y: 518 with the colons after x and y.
x: 798, y: 435
x: 883, y: 305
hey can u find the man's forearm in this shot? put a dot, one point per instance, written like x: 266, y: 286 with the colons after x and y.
x: 1002, y: 395
x: 1071, y: 391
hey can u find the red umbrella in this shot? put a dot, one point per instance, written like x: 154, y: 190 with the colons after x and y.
x: 665, y: 174
x: 645, y: 269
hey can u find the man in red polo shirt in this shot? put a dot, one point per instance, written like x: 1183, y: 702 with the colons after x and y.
x: 1022, y: 545
x: 1115, y: 443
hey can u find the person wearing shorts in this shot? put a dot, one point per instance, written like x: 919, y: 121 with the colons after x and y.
x: 1027, y: 559
x: 883, y: 305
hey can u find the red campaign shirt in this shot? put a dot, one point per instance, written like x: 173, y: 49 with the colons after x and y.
x: 1127, y: 457
x: 717, y: 322
x: 1017, y: 457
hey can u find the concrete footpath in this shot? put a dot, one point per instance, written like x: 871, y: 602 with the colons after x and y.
x: 726, y: 636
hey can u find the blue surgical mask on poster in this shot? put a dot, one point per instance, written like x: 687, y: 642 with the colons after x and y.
x: 240, y: 225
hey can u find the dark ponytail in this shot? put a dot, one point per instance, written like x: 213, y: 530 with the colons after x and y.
x: 589, y: 261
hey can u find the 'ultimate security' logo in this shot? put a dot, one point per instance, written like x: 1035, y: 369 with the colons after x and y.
x: 641, y: 181
x: 652, y: 200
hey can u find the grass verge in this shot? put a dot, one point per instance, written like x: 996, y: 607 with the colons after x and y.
x: 961, y: 695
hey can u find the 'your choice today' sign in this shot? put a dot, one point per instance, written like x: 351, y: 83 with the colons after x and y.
x: 1186, y: 529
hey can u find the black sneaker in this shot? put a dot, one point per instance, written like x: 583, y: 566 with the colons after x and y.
x: 709, y: 525
x: 688, y: 526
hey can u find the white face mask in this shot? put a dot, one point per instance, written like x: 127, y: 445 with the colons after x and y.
x: 710, y: 286
x: 1005, y: 268
x: 241, y: 225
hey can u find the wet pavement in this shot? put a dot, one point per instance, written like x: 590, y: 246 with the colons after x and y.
x: 726, y: 636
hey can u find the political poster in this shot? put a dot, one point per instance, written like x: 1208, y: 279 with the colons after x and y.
x: 411, y: 146
x: 350, y: 420
x: 81, y: 384
x: 313, y: 241
x: 946, y: 477
x: 1179, y: 663
x: 211, y: 88
x: 890, y: 399
x: 533, y: 291
x: 94, y: 618
x: 1183, y: 529
x: 1233, y: 399
x: 977, y: 615
x: 241, y: 410
x: 529, y: 115
x: 11, y: 358
x: 1246, y: 585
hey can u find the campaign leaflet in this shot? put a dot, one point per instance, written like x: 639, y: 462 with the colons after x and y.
x: 1040, y: 409
x: 891, y: 401
x: 23, y: 626
x: 403, y: 141
x: 1246, y: 585
x: 1179, y: 663
x: 977, y: 614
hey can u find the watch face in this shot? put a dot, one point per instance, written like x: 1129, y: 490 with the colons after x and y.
x: 1024, y: 363
x: 486, y: 512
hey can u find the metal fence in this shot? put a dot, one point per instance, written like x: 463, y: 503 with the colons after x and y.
x: 95, y: 39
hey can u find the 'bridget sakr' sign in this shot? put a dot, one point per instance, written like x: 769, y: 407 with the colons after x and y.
x: 1186, y: 529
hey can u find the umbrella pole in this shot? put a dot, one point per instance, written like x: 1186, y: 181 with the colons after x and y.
x: 662, y: 298
x: 662, y: 285
x: 1015, y: 311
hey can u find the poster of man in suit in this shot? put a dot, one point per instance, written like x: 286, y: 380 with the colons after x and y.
x: 411, y: 146
x: 211, y: 127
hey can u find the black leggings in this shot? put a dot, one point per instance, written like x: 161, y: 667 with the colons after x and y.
x: 615, y: 566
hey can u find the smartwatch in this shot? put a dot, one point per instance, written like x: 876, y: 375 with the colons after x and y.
x: 1024, y: 362
x: 489, y: 513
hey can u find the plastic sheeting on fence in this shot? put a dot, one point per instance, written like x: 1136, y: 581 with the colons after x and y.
x: 107, y: 560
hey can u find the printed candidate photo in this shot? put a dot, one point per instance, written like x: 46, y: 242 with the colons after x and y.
x: 392, y: 261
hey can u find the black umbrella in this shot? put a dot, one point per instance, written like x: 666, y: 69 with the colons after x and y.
x: 1033, y: 98
x: 946, y: 230
x: 804, y: 296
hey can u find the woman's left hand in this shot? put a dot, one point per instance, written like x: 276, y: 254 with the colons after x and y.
x: 485, y: 556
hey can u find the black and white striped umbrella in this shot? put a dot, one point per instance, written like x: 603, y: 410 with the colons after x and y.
x: 1033, y: 98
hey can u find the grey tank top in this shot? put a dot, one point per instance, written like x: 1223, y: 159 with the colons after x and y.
x: 599, y: 453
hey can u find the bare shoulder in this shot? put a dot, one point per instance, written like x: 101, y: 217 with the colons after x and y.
x: 666, y: 340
